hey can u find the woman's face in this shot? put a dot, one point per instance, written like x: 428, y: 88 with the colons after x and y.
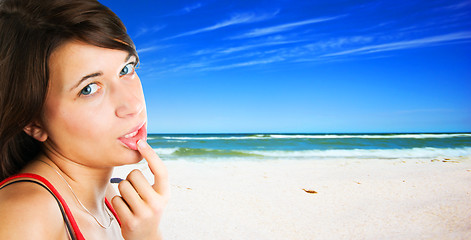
x: 95, y: 110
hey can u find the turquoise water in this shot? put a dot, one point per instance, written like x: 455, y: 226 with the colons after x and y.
x: 207, y: 147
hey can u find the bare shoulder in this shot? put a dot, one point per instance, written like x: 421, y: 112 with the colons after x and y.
x: 27, y: 210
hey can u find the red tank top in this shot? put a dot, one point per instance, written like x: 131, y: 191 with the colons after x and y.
x: 71, y: 224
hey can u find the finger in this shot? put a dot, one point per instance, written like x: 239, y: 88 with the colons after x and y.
x: 140, y: 184
x: 156, y: 166
x: 121, y: 208
x: 130, y: 196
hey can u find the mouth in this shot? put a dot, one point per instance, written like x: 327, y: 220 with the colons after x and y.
x: 130, y: 139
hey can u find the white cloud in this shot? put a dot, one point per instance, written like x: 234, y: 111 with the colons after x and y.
x: 421, y: 42
x: 239, y: 18
x: 205, y: 51
x: 146, y: 30
x: 148, y: 49
x: 190, y: 8
x: 246, y: 47
x: 151, y: 48
x: 460, y: 5
x: 283, y: 27
x: 341, y: 41
x: 185, y: 10
x: 245, y: 64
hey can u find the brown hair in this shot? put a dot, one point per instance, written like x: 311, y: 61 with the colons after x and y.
x: 30, y: 30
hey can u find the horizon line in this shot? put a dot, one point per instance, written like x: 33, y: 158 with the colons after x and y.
x: 305, y: 133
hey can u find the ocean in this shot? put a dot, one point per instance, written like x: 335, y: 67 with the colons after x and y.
x: 259, y: 147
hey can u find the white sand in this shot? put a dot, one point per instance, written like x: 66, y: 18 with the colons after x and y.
x: 355, y: 199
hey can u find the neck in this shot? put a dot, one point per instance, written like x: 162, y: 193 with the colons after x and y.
x: 87, y: 183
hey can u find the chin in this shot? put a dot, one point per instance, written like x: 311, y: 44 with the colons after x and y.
x: 129, y: 157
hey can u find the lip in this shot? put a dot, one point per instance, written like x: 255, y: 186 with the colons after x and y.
x: 137, y: 133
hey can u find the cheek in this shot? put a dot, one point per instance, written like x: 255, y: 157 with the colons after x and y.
x: 70, y: 123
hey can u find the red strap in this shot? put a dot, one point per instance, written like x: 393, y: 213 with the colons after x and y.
x: 73, y: 223
x: 112, y: 210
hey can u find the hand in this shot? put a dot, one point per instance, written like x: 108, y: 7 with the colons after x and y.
x: 141, y: 205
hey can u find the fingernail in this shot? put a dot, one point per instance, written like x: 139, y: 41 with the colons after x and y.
x: 141, y: 143
x: 116, y: 180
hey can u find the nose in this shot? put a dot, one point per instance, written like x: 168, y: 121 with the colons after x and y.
x: 129, y: 99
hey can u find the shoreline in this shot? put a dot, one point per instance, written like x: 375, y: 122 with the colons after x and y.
x: 332, y: 199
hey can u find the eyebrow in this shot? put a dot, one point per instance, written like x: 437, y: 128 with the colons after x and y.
x: 129, y: 57
x: 97, y: 74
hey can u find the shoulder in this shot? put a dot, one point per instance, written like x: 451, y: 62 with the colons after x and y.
x: 28, y: 209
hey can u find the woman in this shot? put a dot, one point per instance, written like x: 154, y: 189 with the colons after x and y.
x: 71, y: 109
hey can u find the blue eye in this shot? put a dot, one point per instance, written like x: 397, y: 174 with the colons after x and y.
x: 89, y: 89
x: 129, y: 68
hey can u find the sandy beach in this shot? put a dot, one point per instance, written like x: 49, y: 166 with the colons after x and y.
x: 331, y: 199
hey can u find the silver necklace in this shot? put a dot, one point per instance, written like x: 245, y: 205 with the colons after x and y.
x: 81, y: 204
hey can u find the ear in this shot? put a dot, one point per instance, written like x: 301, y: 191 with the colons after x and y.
x: 36, y: 131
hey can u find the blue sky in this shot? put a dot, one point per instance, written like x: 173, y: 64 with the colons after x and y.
x: 303, y: 66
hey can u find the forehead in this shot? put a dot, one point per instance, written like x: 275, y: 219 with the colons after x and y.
x: 73, y: 60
